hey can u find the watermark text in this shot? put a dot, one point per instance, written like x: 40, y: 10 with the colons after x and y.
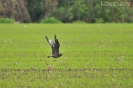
x: 106, y: 3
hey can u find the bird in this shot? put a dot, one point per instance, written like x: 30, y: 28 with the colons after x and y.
x: 55, y: 47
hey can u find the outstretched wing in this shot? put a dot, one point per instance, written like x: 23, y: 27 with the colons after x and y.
x: 57, y: 43
x: 52, y: 44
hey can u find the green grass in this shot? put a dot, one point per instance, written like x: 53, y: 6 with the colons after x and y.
x: 94, y: 55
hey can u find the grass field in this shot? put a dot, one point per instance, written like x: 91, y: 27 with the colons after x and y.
x: 94, y: 56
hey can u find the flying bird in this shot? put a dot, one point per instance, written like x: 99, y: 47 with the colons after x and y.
x: 55, y: 47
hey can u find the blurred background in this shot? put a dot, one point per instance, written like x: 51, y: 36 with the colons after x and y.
x: 66, y: 11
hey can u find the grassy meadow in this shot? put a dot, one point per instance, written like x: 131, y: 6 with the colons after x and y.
x: 94, y: 56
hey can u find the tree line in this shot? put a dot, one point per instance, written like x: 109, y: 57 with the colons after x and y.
x: 67, y: 11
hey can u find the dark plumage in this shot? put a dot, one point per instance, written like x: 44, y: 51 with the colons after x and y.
x: 55, y: 47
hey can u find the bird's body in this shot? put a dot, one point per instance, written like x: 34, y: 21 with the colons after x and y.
x: 55, y: 47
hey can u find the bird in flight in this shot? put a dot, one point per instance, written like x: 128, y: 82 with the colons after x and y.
x: 55, y: 47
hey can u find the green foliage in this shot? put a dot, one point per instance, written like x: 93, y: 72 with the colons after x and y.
x: 51, y: 20
x: 6, y: 20
x: 92, y: 11
x: 79, y: 22
x: 72, y: 11
x: 80, y: 9
x: 64, y: 14
x: 35, y: 8
x: 68, y: 11
x: 99, y: 20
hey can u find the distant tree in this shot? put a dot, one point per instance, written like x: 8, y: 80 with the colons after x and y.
x: 71, y: 10
x: 35, y: 9
x: 80, y: 10
x: 49, y: 7
x: 40, y: 9
x: 1, y: 9
x: 89, y: 11
x: 15, y: 9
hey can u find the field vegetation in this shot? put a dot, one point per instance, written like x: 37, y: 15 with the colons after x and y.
x: 94, y: 56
